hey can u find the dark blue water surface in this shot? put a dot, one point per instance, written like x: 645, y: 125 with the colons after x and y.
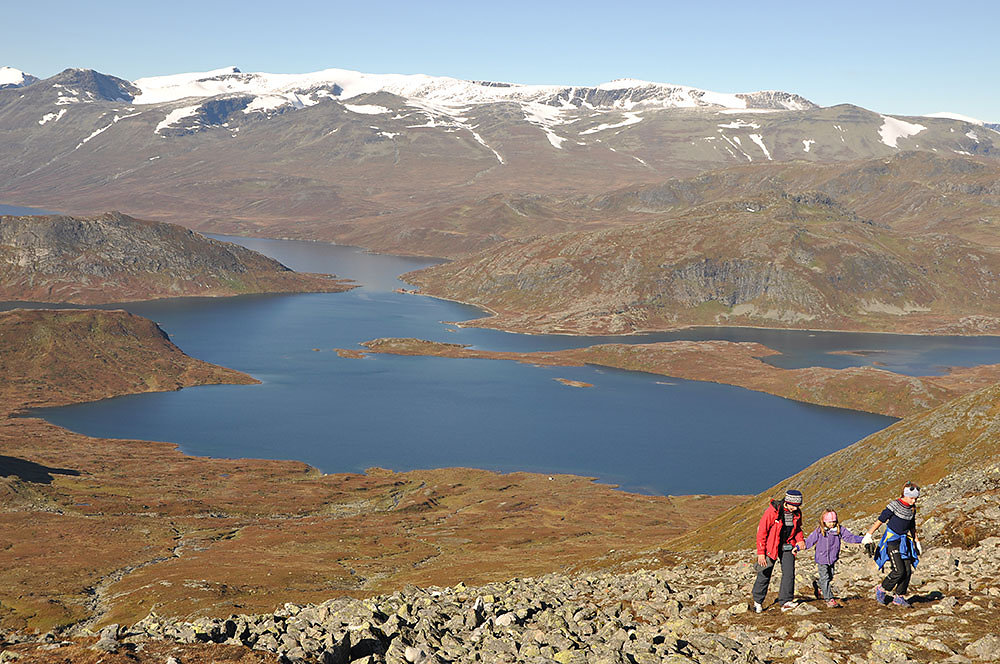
x: 647, y: 433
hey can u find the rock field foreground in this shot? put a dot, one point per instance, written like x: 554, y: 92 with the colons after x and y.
x: 694, y: 611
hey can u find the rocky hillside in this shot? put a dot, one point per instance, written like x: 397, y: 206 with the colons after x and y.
x: 115, y: 258
x: 778, y: 260
x: 955, y: 447
x: 913, y: 192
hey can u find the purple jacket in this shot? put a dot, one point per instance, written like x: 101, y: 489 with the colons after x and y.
x: 828, y: 548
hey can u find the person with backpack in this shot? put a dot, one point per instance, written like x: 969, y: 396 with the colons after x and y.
x: 779, y: 537
x: 899, y: 546
x: 827, y: 538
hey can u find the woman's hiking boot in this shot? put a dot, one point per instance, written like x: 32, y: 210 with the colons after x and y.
x: 758, y: 608
x: 789, y: 605
x: 899, y: 600
x: 880, y: 594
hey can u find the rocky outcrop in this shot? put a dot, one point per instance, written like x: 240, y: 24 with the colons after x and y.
x: 113, y: 257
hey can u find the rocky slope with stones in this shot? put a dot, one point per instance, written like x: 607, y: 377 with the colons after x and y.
x: 114, y: 258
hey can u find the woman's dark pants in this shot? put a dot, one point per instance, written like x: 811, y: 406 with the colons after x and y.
x: 898, y: 580
x: 787, y: 588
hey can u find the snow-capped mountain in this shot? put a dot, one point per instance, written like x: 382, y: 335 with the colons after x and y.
x: 14, y: 78
x: 443, y: 97
x: 330, y: 146
x: 307, y: 89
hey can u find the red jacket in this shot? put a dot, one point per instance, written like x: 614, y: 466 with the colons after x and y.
x: 769, y: 531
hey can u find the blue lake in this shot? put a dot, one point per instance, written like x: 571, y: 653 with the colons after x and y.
x: 644, y: 432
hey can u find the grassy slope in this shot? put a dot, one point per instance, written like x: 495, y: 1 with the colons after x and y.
x: 958, y: 436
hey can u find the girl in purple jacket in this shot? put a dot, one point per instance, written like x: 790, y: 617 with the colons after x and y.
x: 827, y: 539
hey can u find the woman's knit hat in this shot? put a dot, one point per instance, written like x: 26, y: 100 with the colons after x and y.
x: 911, y: 491
x: 793, y: 497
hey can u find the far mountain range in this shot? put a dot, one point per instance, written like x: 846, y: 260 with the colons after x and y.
x: 416, y: 164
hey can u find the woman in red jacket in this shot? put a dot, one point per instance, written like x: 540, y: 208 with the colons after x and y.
x: 779, y: 537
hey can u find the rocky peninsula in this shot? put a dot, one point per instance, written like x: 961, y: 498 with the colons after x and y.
x: 868, y: 389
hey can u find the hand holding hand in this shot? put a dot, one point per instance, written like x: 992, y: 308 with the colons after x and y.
x: 867, y: 539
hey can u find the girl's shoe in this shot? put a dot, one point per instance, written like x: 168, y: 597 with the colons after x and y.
x: 834, y: 604
x: 899, y: 600
x: 880, y: 594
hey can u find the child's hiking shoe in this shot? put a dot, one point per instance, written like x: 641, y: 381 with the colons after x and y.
x: 758, y: 608
x: 834, y: 603
x: 789, y: 605
x: 899, y: 600
x: 880, y: 594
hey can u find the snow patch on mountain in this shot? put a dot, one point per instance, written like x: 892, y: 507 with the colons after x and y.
x: 546, y: 117
x: 807, y: 143
x: 175, y: 116
x: 630, y: 119
x: 367, y: 109
x: 894, y: 129
x: 739, y: 124
x: 271, y: 102
x: 96, y: 133
x: 759, y: 140
x: 52, y: 117
x: 736, y: 143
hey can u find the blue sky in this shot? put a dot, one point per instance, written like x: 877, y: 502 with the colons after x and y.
x: 895, y: 57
